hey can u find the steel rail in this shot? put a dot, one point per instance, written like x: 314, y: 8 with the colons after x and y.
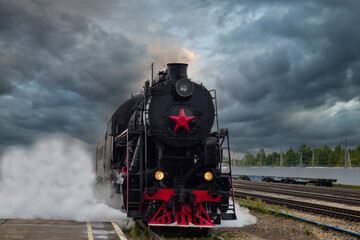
x: 157, y: 237
x: 216, y: 236
x: 336, y: 212
x: 3, y: 221
x: 296, y: 193
x: 147, y: 228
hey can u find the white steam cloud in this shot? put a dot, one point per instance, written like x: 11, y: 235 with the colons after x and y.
x: 51, y: 180
x: 243, y: 218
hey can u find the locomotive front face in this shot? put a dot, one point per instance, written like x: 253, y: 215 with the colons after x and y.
x: 166, y: 164
x: 180, y: 112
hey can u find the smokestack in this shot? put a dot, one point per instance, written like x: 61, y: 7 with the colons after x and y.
x: 177, y: 71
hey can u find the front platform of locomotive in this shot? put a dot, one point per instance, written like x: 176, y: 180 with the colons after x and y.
x: 186, y: 186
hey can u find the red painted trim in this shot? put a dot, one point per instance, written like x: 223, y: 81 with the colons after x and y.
x: 183, y: 217
x: 184, y: 213
x: 165, y: 195
x: 161, y: 194
x: 118, y: 136
x: 127, y: 167
x: 204, y: 196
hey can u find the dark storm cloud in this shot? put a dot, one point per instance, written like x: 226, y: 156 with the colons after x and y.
x: 60, y: 72
x: 288, y: 58
x: 286, y: 72
x: 5, y: 86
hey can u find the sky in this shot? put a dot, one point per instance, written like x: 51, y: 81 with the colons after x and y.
x: 286, y: 72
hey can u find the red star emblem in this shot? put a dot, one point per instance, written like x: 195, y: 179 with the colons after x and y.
x: 181, y: 120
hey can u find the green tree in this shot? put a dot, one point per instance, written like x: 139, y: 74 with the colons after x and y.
x: 277, y: 159
x: 250, y: 159
x: 323, y: 156
x: 306, y: 155
x: 355, y: 156
x: 273, y: 159
x: 268, y: 160
x: 263, y: 156
x: 337, y: 157
x: 290, y: 158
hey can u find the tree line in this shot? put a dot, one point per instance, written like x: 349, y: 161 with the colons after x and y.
x: 323, y: 157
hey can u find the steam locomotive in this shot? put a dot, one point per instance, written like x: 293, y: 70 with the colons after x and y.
x: 161, y: 158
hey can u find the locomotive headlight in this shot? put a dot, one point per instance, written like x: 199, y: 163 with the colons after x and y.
x: 184, y: 87
x: 159, y: 175
x: 208, y: 176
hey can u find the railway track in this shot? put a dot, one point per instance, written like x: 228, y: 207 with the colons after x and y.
x: 303, y: 194
x: 340, y: 192
x: 174, y: 231
x: 336, y: 212
x: 154, y: 235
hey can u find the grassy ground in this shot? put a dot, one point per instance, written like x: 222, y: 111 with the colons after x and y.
x: 260, y: 206
x: 338, y: 185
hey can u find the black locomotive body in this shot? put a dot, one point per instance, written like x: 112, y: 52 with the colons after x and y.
x: 161, y: 158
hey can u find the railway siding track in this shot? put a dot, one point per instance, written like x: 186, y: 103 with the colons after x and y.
x: 340, y: 192
x: 296, y: 193
x: 336, y: 212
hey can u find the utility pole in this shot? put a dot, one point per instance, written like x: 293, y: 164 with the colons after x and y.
x: 345, y: 159
x: 300, y: 159
x: 281, y: 157
x: 313, y: 156
x: 152, y: 74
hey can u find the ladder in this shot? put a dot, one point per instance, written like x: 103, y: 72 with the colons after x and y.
x: 135, y: 179
x: 230, y: 213
x: 223, y: 136
x: 134, y: 190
